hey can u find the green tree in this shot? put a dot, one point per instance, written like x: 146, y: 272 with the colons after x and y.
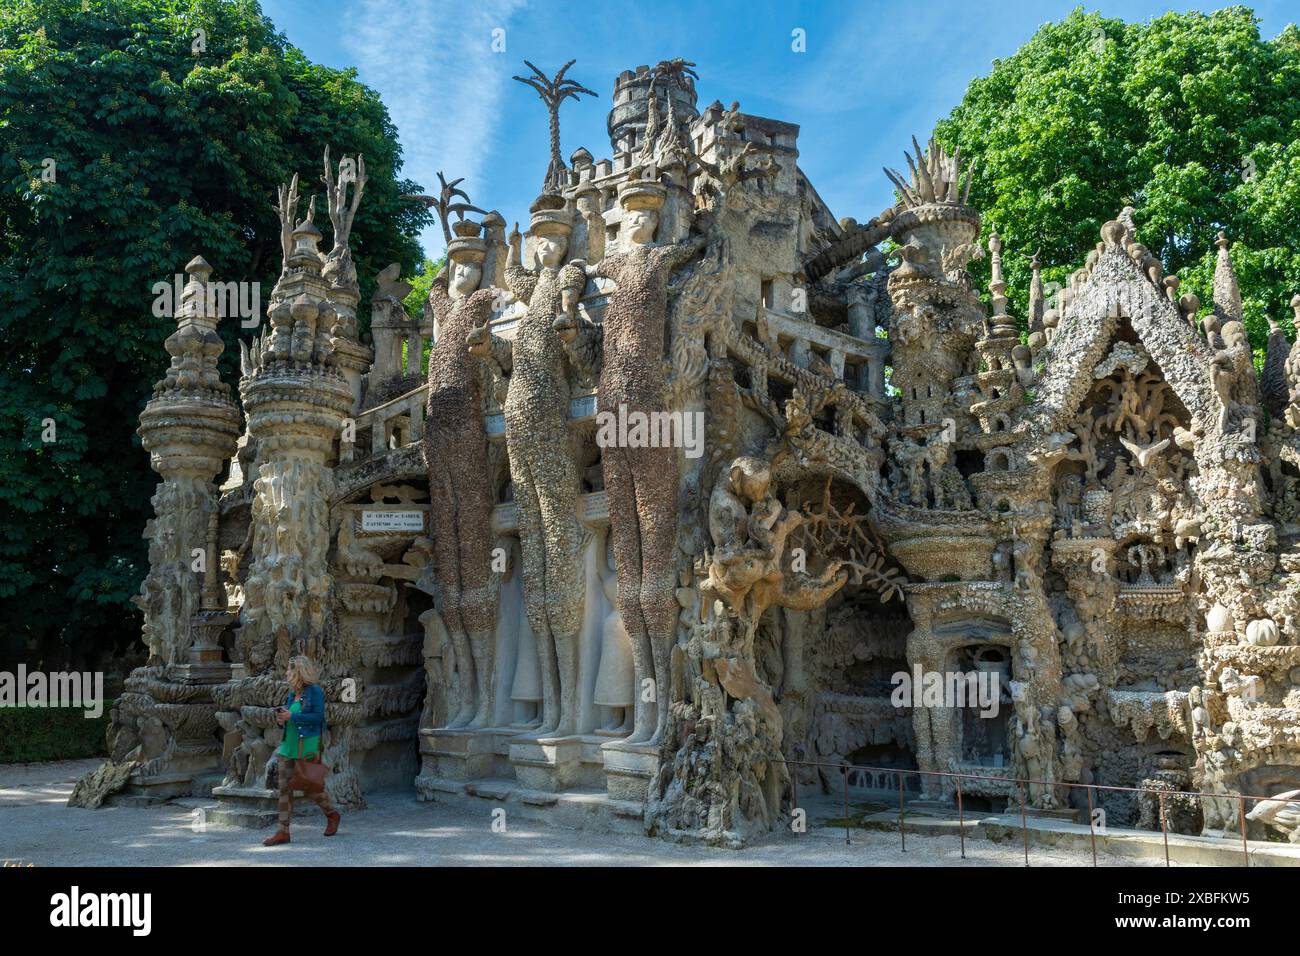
x: 129, y: 142
x: 1192, y: 118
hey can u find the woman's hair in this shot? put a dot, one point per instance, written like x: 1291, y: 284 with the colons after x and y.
x: 307, y: 669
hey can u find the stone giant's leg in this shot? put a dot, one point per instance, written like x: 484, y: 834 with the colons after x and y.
x: 532, y: 545
x: 654, y: 476
x: 624, y: 526
x: 477, y: 609
x: 557, y: 494
x: 447, y: 559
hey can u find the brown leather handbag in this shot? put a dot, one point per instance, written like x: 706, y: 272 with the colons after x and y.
x: 308, y: 775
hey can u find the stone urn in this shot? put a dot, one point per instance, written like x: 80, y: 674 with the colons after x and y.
x: 1262, y: 633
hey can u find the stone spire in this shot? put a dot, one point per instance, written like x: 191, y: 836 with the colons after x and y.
x: 1003, y: 324
x: 1272, y: 380
x: 339, y: 315
x: 195, y: 346
x: 1227, y: 294
x: 297, y: 394
x: 1293, y: 360
x: 1037, y: 303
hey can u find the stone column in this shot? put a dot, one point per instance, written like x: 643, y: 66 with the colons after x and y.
x: 190, y: 428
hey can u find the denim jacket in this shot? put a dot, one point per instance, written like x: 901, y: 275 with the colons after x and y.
x: 310, y: 720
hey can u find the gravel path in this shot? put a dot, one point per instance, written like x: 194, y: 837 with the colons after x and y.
x: 396, y: 830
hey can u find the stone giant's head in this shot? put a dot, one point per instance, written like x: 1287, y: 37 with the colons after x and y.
x: 465, y: 278
x: 641, y: 200
x: 550, y: 249
x: 465, y: 255
x: 552, y: 221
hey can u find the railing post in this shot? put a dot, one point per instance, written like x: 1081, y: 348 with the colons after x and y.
x: 1241, y: 817
x: 417, y: 422
x: 1092, y: 833
x: 1024, y: 827
x: 845, y: 771
x: 961, y: 819
x: 1163, y: 828
x: 902, y: 837
x: 794, y: 789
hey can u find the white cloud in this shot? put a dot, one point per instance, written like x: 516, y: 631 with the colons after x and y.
x: 432, y: 63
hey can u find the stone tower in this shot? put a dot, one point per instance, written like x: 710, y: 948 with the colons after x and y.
x: 629, y: 116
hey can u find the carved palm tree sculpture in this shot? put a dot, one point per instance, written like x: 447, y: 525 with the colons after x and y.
x: 443, y: 205
x: 554, y: 92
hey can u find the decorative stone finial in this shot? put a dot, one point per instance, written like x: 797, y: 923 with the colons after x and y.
x: 1227, y: 294
x: 1037, y: 300
x: 1113, y: 233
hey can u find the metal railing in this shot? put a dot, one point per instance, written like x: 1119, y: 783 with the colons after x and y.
x: 1161, y: 795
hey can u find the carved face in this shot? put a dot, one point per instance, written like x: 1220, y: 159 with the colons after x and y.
x: 750, y: 478
x: 550, y: 250
x: 465, y: 277
x: 640, y: 225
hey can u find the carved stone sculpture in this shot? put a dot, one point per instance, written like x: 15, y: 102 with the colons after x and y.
x: 460, y: 496
x: 545, y: 483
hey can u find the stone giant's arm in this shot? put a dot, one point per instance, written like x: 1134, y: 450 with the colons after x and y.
x: 438, y: 305
x: 583, y: 340
x: 679, y: 253
x: 586, y: 348
x: 520, y: 282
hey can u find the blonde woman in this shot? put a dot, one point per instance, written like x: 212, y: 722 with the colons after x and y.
x: 303, y: 719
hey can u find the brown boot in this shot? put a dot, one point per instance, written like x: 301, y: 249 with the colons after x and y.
x: 332, y: 824
x: 275, y: 839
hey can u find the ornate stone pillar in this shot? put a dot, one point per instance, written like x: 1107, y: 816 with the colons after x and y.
x: 190, y: 428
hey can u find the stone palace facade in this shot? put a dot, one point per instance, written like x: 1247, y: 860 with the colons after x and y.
x: 692, y: 473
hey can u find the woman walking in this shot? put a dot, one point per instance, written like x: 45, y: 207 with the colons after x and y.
x: 303, y: 719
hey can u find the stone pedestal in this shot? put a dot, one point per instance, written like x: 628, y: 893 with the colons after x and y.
x: 629, y: 769
x: 205, y: 667
x: 253, y: 807
x: 465, y: 754
x: 177, y: 781
x: 553, y: 763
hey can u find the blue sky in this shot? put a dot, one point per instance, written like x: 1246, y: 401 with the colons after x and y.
x: 873, y: 74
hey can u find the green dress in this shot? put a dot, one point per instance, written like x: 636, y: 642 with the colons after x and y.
x: 289, y: 748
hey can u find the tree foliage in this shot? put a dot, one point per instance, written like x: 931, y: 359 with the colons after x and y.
x: 1191, y: 118
x: 166, y: 143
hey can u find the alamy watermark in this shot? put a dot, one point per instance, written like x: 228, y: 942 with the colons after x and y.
x: 629, y: 428
x: 922, y: 688
x: 56, y: 689
x: 132, y: 911
x: 242, y: 300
